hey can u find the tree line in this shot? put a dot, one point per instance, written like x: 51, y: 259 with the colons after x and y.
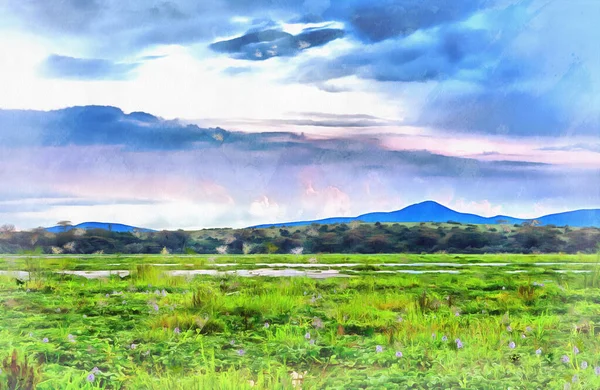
x: 450, y: 237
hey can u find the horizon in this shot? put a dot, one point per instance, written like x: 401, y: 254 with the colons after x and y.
x: 278, y: 223
x: 235, y: 114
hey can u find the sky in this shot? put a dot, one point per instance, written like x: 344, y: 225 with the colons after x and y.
x: 231, y: 113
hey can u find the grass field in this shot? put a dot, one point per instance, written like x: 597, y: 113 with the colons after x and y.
x: 376, y: 321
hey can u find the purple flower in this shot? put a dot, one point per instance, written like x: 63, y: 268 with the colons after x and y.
x: 597, y: 370
x: 398, y: 354
x: 583, y: 365
x: 444, y: 338
x: 565, y: 359
x: 400, y: 319
x: 523, y: 336
x: 267, y: 325
x: 45, y: 339
x: 318, y: 323
x: 538, y: 351
x: 241, y: 352
x: 509, y: 328
x: 528, y: 329
x: 133, y: 346
x: 457, y: 314
x: 95, y: 370
x: 312, y: 342
x: 91, y: 377
x: 155, y: 306
x: 176, y: 330
x: 232, y: 342
x: 512, y: 345
x: 378, y: 349
x: 459, y: 343
x: 575, y: 350
x: 71, y: 338
x: 106, y: 296
x: 307, y: 336
x: 575, y: 378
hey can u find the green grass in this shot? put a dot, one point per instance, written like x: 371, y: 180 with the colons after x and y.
x: 209, y: 332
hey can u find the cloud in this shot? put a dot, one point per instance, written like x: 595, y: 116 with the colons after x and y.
x: 265, y: 44
x: 100, y: 125
x: 377, y: 21
x: 56, y: 66
x: 591, y: 147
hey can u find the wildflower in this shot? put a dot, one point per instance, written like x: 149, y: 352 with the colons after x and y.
x: 30, y: 334
x: 565, y: 359
x: 378, y: 349
x: 400, y: 319
x: 512, y: 345
x: 232, y: 342
x: 267, y: 325
x: 528, y: 329
x: 317, y: 323
x: 398, y: 354
x: 124, y: 302
x: 106, y: 296
x: 459, y: 343
x: 597, y: 370
x: 307, y: 336
x: 583, y: 365
x: 523, y: 336
x: 91, y: 377
x: 575, y: 378
x: 241, y: 352
x: 509, y: 328
x: 96, y: 370
x: 444, y: 338
x: 176, y: 330
x: 133, y: 346
x: 575, y: 350
x: 538, y: 351
x: 71, y: 338
x: 503, y: 288
x: 45, y: 339
x: 58, y: 309
x: 84, y: 316
x: 164, y: 293
x: 155, y: 306
x: 313, y: 299
x: 457, y: 314
x: 312, y: 342
x: 433, y: 335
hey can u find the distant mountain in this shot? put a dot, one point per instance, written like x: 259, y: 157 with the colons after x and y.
x: 114, y: 227
x: 430, y: 211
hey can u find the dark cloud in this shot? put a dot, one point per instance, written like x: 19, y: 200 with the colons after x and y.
x: 99, y: 125
x: 262, y: 45
x: 56, y: 66
x: 375, y: 21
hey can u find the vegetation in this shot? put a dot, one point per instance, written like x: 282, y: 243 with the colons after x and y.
x: 451, y: 237
x: 525, y: 324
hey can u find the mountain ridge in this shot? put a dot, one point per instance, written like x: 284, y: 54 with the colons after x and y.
x: 431, y: 211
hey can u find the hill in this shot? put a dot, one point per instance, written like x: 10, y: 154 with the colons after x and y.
x: 430, y: 211
x: 113, y: 227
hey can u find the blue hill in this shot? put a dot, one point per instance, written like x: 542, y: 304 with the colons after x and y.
x: 430, y: 211
x: 114, y: 227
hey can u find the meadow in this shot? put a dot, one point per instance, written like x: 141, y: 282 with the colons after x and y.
x: 340, y: 322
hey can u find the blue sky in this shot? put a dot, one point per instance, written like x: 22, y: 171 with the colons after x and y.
x: 234, y: 113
